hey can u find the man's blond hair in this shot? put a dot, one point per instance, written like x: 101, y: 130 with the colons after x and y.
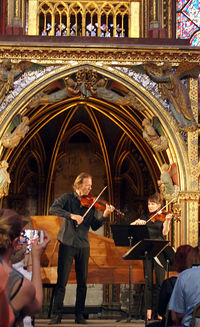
x: 79, y: 179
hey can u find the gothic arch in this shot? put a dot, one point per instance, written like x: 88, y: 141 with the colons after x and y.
x: 124, y: 118
x: 152, y: 106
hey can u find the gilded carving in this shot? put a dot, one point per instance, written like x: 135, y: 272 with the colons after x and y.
x: 154, y: 135
x: 92, y: 53
x: 171, y: 88
x: 168, y: 188
x: 15, y: 132
x: 4, y: 179
x: 194, y: 196
x: 7, y: 76
x: 86, y: 83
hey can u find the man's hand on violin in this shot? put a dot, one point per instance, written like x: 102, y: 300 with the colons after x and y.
x: 78, y: 218
x: 109, y: 209
x: 138, y: 222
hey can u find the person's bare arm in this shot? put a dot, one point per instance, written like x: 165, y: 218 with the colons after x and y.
x: 37, y: 250
x: 6, y: 313
x: 167, y: 224
x: 139, y: 222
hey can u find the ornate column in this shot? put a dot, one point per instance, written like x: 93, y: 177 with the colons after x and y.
x: 154, y: 23
x: 134, y: 22
x: 190, y: 198
x: 170, y: 20
x: 2, y: 17
x: 33, y: 12
x: 156, y: 29
x: 14, y: 26
x: 17, y: 19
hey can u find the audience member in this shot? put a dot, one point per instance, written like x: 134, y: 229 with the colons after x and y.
x: 25, y: 297
x: 180, y: 263
x: 22, y: 262
x: 186, y: 292
x: 6, y: 312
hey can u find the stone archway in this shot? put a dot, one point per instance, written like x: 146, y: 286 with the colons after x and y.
x: 127, y: 120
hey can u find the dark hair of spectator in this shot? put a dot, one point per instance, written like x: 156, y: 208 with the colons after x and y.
x: 10, y: 228
x: 181, y: 261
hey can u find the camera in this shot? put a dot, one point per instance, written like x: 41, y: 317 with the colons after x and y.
x: 28, y: 236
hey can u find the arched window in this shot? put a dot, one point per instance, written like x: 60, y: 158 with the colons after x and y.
x: 91, y: 25
x: 188, y: 21
x: 45, y: 19
x: 61, y: 19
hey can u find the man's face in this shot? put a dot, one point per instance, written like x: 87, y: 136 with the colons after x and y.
x: 85, y: 187
x: 153, y: 206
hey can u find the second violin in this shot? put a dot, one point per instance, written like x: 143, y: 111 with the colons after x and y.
x: 160, y: 215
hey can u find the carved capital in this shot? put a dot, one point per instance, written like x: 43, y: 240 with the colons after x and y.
x: 190, y: 196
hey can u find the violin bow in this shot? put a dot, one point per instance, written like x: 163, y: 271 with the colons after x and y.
x: 94, y: 201
x: 160, y: 210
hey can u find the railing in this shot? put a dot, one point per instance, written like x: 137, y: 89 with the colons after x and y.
x: 84, y: 18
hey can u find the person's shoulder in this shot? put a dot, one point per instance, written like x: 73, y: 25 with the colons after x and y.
x: 66, y: 196
x: 185, y: 274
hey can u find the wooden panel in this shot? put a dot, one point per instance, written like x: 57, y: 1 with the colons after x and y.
x: 52, y: 225
x: 105, y: 264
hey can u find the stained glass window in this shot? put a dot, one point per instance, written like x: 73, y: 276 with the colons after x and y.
x: 188, y: 21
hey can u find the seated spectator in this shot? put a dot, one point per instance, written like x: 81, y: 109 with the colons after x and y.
x: 25, y: 296
x: 186, y: 292
x: 180, y: 263
x: 6, y: 312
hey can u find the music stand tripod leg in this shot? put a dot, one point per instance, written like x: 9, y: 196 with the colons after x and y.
x: 130, y: 284
x: 129, y: 318
x: 130, y: 293
x: 146, y: 285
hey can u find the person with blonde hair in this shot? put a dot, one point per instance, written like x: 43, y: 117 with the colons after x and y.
x: 25, y: 296
x: 74, y: 243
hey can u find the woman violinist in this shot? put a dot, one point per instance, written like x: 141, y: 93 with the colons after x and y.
x: 158, y: 224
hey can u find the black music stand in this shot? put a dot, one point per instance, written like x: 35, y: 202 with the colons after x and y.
x: 144, y: 250
x: 128, y: 235
x: 167, y: 259
x: 123, y: 233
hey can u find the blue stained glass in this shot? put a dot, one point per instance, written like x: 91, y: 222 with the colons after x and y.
x: 188, y: 20
x: 195, y: 39
x: 192, y: 11
x: 180, y: 4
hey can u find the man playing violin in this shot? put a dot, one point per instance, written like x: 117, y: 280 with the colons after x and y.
x: 74, y: 244
x: 158, y: 224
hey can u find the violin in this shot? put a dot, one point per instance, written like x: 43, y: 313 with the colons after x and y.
x: 100, y: 205
x: 161, y: 216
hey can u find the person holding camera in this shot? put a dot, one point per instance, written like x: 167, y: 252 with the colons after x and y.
x: 24, y: 296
